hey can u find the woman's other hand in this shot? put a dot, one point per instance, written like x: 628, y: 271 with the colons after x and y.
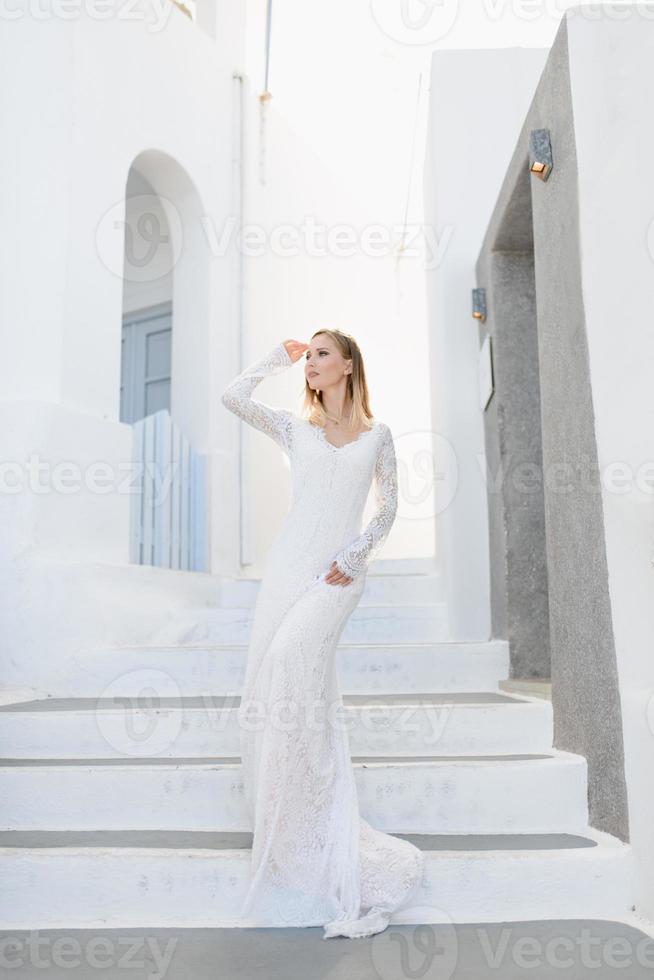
x: 336, y: 577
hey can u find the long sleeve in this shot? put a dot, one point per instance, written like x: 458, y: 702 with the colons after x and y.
x: 237, y: 397
x: 355, y: 557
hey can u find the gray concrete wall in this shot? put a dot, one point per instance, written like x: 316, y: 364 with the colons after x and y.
x: 571, y: 541
x: 519, y: 595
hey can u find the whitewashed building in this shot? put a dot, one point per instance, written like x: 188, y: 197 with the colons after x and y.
x: 552, y: 389
x: 126, y: 306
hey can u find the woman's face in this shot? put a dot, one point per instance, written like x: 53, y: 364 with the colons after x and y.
x: 324, y: 365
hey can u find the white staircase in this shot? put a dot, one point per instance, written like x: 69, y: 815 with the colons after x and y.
x: 123, y: 800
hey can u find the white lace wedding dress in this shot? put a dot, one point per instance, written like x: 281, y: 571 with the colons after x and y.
x: 315, y: 860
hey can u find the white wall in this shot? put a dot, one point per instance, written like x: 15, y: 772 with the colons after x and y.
x: 479, y: 100
x: 337, y: 150
x: 90, y: 98
x: 612, y: 77
x: 478, y: 103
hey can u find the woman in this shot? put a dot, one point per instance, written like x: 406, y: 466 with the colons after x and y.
x: 315, y: 860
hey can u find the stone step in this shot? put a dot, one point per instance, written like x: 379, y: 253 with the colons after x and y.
x: 434, y: 795
x: 419, y: 623
x: 539, y: 950
x: 534, y: 687
x: 198, y: 879
x: 187, y: 671
x: 450, y: 724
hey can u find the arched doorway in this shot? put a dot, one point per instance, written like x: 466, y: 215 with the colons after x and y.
x: 164, y: 364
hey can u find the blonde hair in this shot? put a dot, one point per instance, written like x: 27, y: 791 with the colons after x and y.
x: 360, y: 415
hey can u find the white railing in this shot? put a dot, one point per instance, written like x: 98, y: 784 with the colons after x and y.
x: 169, y: 514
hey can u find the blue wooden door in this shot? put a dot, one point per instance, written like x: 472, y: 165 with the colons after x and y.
x: 146, y: 362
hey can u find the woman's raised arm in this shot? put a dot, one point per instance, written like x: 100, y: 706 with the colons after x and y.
x: 237, y: 397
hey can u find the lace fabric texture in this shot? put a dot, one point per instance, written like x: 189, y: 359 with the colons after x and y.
x: 354, y: 558
x: 315, y: 860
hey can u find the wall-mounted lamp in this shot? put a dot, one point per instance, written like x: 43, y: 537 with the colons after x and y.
x: 540, y: 153
x: 479, y: 304
x: 184, y: 8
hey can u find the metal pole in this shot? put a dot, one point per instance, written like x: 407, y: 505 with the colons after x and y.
x: 268, y: 27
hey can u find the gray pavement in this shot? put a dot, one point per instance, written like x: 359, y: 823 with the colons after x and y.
x: 511, y: 951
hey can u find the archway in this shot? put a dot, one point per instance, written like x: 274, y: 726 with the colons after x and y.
x: 165, y: 362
